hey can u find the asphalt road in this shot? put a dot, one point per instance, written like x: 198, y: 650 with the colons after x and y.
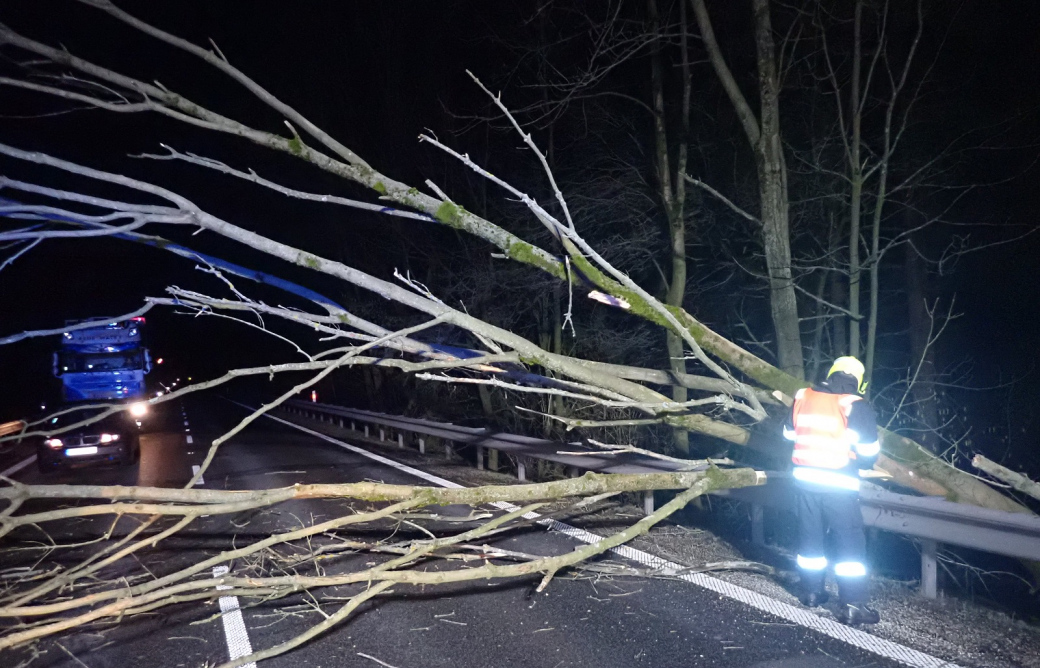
x: 576, y: 622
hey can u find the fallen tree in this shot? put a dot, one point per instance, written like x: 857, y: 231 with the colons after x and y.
x: 27, y: 598
x: 908, y: 462
x: 741, y: 386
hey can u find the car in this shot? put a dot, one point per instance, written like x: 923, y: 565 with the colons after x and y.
x: 113, y: 439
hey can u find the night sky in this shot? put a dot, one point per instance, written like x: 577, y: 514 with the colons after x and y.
x: 375, y: 75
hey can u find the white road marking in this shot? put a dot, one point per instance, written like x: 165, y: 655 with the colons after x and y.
x: 195, y: 471
x: 188, y: 438
x: 800, y: 616
x: 8, y: 472
x: 235, y: 633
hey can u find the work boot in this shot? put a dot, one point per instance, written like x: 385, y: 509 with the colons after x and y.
x: 856, y: 614
x: 813, y: 599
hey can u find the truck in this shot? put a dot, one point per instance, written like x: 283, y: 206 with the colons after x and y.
x: 104, y: 363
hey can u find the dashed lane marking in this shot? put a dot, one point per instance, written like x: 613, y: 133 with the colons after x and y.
x: 235, y: 633
x: 800, y: 616
x: 188, y: 438
x: 195, y: 468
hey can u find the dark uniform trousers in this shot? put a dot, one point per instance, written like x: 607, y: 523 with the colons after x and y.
x: 837, y: 513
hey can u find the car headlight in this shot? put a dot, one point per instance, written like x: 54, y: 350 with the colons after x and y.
x: 108, y: 438
x: 139, y: 409
x: 54, y: 443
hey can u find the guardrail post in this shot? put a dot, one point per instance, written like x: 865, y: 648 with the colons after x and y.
x: 353, y: 427
x: 422, y: 446
x: 382, y: 434
x: 573, y: 472
x: 480, y: 458
x: 366, y: 431
x: 341, y: 425
x: 521, y: 469
x: 758, y: 534
x: 648, y: 502
x: 492, y: 459
x: 448, y: 451
x: 400, y: 440
x: 929, y: 572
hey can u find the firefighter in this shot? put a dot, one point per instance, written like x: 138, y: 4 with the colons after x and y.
x: 834, y: 430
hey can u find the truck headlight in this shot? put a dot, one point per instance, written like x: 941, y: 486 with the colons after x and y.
x: 139, y: 409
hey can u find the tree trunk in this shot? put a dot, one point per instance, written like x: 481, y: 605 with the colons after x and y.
x: 855, y: 272
x: 772, y: 174
x: 856, y: 178
x: 765, y: 141
x: 673, y: 199
x: 777, y: 247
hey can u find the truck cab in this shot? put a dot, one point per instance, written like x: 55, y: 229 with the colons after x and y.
x: 99, y: 365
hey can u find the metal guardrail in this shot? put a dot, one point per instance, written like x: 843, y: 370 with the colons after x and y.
x: 521, y: 446
x: 932, y: 520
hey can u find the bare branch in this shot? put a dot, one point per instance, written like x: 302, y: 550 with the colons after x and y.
x: 722, y: 198
x: 1017, y: 481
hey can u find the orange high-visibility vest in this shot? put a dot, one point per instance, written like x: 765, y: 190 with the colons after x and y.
x: 821, y: 435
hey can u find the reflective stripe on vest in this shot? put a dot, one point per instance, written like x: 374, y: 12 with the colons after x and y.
x: 821, y: 435
x: 825, y: 479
